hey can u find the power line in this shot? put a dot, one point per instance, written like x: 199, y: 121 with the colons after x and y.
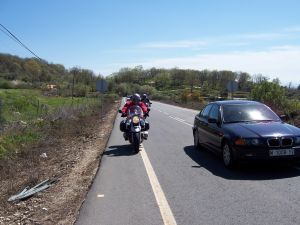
x: 18, y: 40
x: 7, y: 34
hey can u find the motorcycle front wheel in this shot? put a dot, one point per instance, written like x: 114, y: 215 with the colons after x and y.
x: 136, y: 141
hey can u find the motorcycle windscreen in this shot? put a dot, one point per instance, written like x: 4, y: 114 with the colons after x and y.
x: 135, y: 111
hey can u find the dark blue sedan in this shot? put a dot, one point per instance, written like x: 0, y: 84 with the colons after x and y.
x: 244, y: 130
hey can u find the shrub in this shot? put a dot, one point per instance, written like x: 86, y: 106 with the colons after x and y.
x: 270, y: 93
x: 195, y: 96
x: 185, y: 96
x: 5, y: 84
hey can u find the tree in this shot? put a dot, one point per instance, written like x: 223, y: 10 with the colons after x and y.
x: 259, y: 78
x: 33, y: 69
x: 177, y: 77
x: 191, y: 78
x: 162, y: 80
x: 243, y: 80
x: 270, y: 93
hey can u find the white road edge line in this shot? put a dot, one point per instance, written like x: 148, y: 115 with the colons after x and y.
x: 180, y: 120
x: 177, y: 107
x: 165, y: 210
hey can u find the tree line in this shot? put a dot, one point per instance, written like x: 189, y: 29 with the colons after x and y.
x: 169, y: 79
x: 191, y: 87
x: 16, y: 72
x: 173, y: 84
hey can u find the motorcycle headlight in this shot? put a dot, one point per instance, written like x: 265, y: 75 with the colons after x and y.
x: 135, y: 119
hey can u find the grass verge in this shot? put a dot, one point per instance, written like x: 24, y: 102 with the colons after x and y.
x: 26, y: 116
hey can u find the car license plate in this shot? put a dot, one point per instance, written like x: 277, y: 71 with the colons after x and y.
x: 282, y: 152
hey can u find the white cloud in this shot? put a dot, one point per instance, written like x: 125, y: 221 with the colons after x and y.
x: 173, y: 44
x: 292, y: 29
x: 262, y: 36
x: 281, y: 62
x: 234, y: 40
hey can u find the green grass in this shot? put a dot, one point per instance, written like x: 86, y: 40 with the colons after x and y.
x: 29, y: 106
x: 10, y: 142
x: 18, y: 104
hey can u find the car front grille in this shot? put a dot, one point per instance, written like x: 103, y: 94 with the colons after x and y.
x: 280, y: 142
x: 274, y: 142
x: 286, y: 142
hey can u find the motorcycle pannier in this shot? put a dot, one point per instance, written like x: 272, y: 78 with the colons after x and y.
x: 123, y: 126
x: 147, y: 126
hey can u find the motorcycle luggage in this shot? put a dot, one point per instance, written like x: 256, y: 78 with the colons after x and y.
x: 123, y: 126
x: 147, y: 126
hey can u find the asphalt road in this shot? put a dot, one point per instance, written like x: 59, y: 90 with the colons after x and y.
x: 196, y: 186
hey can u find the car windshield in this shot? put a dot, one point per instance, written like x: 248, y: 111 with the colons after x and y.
x: 247, y: 113
x: 135, y: 110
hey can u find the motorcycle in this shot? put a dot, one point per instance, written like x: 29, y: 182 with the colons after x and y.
x: 147, y: 103
x: 135, y: 127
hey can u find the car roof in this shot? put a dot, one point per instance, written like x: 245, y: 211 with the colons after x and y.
x: 236, y: 102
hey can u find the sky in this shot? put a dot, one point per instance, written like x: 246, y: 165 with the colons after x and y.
x: 257, y: 36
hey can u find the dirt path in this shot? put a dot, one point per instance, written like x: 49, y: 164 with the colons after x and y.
x: 73, y: 150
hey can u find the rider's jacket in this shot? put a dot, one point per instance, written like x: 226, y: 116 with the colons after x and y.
x: 130, y: 103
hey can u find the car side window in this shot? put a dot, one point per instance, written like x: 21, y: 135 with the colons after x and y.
x: 214, y: 112
x: 205, y: 111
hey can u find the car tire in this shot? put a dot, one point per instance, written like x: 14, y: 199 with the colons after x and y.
x: 227, y: 156
x: 196, y: 140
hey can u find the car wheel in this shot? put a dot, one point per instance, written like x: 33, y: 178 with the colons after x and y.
x: 196, y: 140
x: 228, y: 159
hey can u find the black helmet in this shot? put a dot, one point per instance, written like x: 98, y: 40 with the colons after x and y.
x: 136, y: 98
x: 144, y: 96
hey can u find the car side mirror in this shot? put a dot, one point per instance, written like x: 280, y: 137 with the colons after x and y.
x: 211, y: 120
x: 283, y: 117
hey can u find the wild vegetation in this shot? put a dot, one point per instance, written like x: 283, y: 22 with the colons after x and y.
x: 27, y: 115
x: 31, y: 73
x: 35, y: 94
x: 193, y: 88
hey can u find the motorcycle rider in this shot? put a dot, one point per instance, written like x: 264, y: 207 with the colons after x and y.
x: 146, y: 100
x: 135, y: 100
